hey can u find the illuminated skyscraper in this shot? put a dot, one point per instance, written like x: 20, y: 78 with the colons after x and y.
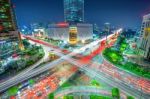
x: 107, y: 28
x: 74, y: 11
x: 7, y: 20
x: 73, y: 30
x: 9, y: 35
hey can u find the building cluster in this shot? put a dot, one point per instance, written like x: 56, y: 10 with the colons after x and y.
x: 129, y: 33
x: 73, y: 29
x: 10, y: 38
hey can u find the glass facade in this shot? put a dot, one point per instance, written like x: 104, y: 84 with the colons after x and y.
x: 74, y: 11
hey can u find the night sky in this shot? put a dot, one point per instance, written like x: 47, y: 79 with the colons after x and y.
x: 120, y: 13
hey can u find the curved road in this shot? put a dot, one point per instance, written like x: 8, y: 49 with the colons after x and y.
x: 82, y: 89
x: 28, y: 73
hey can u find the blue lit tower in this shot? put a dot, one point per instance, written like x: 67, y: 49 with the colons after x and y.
x: 74, y: 11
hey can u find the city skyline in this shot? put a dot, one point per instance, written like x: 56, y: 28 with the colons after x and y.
x: 58, y: 52
x: 126, y: 13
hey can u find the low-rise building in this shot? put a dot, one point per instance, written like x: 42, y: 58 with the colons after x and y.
x: 60, y: 31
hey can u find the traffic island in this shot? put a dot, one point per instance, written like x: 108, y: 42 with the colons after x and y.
x: 117, y: 59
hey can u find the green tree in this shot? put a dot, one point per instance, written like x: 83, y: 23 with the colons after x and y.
x: 31, y: 81
x: 25, y: 42
x: 51, y: 96
x: 68, y: 97
x: 12, y: 91
x: 130, y: 97
x: 115, y: 93
x: 121, y: 43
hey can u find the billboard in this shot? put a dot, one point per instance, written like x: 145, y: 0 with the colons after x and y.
x: 73, y: 35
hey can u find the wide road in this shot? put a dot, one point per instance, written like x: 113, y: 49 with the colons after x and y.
x: 85, y: 68
x: 109, y: 80
x: 28, y: 73
x: 82, y: 89
x: 120, y: 84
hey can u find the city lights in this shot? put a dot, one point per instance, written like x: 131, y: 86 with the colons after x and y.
x: 74, y: 49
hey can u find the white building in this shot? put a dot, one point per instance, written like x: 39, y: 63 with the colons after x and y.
x: 145, y: 31
x: 85, y: 31
x: 60, y: 31
x: 39, y: 32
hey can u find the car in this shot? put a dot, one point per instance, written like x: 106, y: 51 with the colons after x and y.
x: 38, y: 93
x: 47, y: 88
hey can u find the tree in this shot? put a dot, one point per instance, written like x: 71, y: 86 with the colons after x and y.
x: 30, y: 62
x: 115, y: 93
x: 25, y: 42
x: 13, y: 64
x: 120, y: 44
x: 68, y: 97
x: 130, y: 97
x: 21, y: 63
x: 51, y: 96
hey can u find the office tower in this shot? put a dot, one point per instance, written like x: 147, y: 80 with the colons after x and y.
x: 107, y: 28
x: 8, y: 25
x: 10, y: 37
x: 74, y: 11
x: 145, y: 31
x: 73, y: 30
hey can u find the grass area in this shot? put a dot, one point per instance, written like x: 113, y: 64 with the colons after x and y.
x: 50, y: 40
x: 66, y: 84
x: 116, y: 58
x: 123, y: 46
x: 115, y: 93
x: 68, y: 97
x: 51, y: 96
x: 130, y: 97
x: 12, y: 91
x: 32, y: 82
x: 113, y: 55
x: 95, y: 83
x: 99, y: 97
